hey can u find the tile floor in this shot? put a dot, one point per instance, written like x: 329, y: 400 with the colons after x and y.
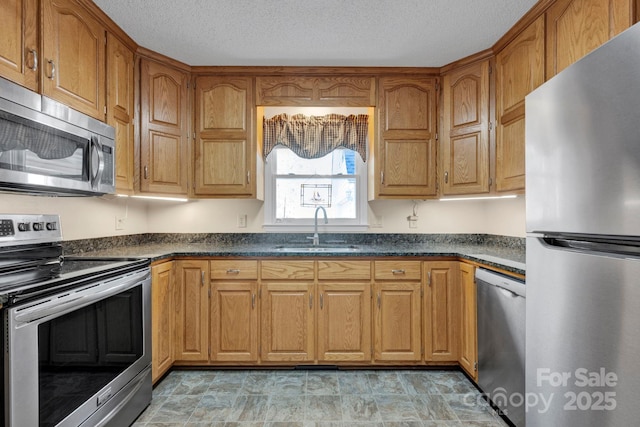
x: 317, y: 398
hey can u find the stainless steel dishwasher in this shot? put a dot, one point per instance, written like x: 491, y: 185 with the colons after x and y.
x: 501, y: 341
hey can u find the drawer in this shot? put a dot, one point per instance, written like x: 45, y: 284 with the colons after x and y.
x: 287, y: 269
x: 233, y: 269
x: 344, y: 270
x: 398, y: 270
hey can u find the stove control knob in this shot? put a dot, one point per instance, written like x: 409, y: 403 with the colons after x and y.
x: 38, y: 226
x: 52, y: 226
x: 23, y: 226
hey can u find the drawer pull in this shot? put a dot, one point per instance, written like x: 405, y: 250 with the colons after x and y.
x: 233, y: 271
x: 400, y: 271
x: 310, y: 300
x: 429, y: 278
x: 202, y: 279
x: 378, y: 299
x: 321, y: 301
x: 253, y: 301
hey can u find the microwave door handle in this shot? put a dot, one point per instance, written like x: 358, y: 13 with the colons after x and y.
x: 95, y: 179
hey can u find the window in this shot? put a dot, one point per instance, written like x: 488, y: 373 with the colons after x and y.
x: 296, y: 187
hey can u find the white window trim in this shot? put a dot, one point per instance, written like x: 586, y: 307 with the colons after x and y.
x: 301, y: 225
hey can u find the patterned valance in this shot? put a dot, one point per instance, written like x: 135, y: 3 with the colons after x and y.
x: 316, y: 136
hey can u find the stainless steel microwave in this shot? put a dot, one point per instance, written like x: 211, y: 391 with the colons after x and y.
x: 49, y: 148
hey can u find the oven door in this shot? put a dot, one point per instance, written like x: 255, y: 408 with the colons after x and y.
x: 69, y: 354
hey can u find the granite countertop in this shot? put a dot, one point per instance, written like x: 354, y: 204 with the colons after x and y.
x: 494, y: 251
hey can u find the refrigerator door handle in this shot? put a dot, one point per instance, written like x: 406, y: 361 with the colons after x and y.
x: 617, y: 247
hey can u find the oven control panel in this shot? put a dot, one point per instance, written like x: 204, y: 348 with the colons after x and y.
x: 17, y: 229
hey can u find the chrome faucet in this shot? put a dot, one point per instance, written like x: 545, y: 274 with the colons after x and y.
x: 316, y: 238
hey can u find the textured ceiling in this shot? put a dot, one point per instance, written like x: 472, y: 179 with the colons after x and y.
x: 405, y: 33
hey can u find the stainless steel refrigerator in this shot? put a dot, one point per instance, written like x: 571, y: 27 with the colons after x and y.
x: 583, y: 241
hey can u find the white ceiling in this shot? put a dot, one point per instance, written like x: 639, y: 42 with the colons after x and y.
x: 404, y: 33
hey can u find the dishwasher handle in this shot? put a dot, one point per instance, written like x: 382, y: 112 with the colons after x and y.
x: 513, y: 285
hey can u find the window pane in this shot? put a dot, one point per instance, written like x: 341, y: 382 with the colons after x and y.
x: 340, y: 161
x: 289, y: 201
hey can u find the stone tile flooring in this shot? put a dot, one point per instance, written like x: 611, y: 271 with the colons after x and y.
x: 317, y: 398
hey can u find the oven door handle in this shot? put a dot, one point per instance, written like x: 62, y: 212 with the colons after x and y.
x: 84, y: 297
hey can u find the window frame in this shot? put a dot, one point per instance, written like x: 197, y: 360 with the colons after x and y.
x: 360, y: 223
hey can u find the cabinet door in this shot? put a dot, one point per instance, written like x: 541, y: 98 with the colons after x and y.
x: 225, y: 150
x: 344, y: 322
x: 576, y: 27
x: 164, y: 155
x: 469, y: 321
x: 397, y: 329
x: 162, y: 308
x: 120, y: 100
x: 19, y: 42
x: 73, y: 57
x: 234, y: 322
x: 465, y: 136
x: 519, y: 70
x: 441, y: 308
x: 288, y: 325
x: 336, y: 91
x: 192, y: 323
x: 405, y: 156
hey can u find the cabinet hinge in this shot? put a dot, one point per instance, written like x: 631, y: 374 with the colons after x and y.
x: 105, y: 109
x: 437, y: 87
x: 490, y: 182
x: 490, y: 69
x: 436, y: 136
x: 490, y: 125
x: 475, y: 366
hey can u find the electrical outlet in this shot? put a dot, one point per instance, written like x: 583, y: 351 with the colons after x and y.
x: 413, y: 221
x: 376, y: 221
x: 120, y: 222
x: 242, y: 221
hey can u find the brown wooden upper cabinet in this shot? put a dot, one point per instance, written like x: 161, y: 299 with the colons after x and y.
x: 225, y: 149
x: 120, y: 108
x: 465, y: 130
x: 73, y: 57
x: 330, y: 91
x: 576, y: 27
x: 164, y: 151
x: 404, y: 158
x: 519, y: 70
x: 19, y: 51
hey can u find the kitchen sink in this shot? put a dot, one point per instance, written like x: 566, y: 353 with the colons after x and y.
x: 337, y: 249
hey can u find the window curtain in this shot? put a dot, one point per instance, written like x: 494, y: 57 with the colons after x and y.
x: 313, y: 137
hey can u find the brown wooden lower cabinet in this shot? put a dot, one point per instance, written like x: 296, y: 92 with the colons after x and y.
x: 344, y: 322
x: 162, y: 318
x: 469, y: 321
x: 397, y: 328
x: 441, y: 311
x: 234, y: 322
x: 291, y: 312
x: 288, y: 324
x: 192, y: 304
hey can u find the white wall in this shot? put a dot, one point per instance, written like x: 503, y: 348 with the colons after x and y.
x: 503, y: 217
x: 83, y: 217
x: 95, y: 217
